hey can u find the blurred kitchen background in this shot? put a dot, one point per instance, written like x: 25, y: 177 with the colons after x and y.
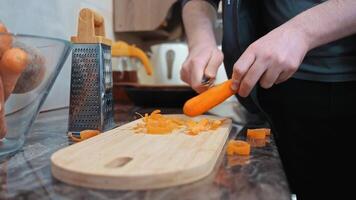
x: 153, y: 26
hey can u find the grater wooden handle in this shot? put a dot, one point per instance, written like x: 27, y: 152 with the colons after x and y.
x: 91, y: 28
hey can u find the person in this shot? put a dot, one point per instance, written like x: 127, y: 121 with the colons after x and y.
x: 294, y: 61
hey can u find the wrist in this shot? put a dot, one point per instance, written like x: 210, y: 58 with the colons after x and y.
x: 298, y: 30
x: 202, y: 42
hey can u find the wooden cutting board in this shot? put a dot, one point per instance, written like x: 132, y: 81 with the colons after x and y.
x: 123, y: 160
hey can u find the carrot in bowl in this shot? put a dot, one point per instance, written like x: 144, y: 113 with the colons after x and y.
x: 12, y: 64
x: 5, y: 40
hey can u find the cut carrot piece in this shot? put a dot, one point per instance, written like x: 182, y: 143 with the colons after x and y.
x: 83, y: 135
x: 259, y: 133
x: 266, y: 130
x: 238, y: 147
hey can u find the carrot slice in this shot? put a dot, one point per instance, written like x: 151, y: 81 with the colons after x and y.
x: 5, y: 40
x: 238, y: 147
x: 83, y: 135
x: 259, y: 133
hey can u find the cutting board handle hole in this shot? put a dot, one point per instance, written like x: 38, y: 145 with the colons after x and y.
x: 118, y: 162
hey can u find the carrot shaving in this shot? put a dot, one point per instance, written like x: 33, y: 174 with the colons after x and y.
x: 156, y: 123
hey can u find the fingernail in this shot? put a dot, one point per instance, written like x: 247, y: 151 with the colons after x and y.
x: 234, y: 87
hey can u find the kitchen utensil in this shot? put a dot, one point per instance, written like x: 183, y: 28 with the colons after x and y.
x: 21, y: 109
x: 207, y: 81
x: 157, y: 95
x: 91, y: 98
x: 167, y: 59
x: 124, y: 160
x: 126, y: 60
x: 121, y: 49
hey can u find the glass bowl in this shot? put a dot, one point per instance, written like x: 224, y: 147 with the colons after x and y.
x: 46, y: 58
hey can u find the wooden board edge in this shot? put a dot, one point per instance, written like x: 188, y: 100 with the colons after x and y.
x: 68, y: 176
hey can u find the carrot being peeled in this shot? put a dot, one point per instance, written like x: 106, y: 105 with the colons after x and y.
x: 208, y: 99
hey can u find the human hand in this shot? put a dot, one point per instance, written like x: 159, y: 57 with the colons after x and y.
x: 270, y: 60
x: 203, y: 59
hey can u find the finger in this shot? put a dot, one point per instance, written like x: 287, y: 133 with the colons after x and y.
x: 269, y: 77
x: 251, y: 77
x: 196, y: 76
x: 184, y: 73
x: 196, y: 73
x: 283, y: 77
x: 241, y: 67
x: 214, y: 63
x: 2, y: 111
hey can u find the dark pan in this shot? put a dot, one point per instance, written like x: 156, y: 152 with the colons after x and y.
x: 157, y: 95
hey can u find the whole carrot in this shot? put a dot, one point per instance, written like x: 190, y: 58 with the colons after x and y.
x: 2, y: 111
x: 208, y: 99
x: 12, y: 64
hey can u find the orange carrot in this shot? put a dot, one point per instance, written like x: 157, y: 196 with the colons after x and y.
x: 2, y: 111
x: 12, y: 63
x: 208, y: 99
x: 238, y: 147
x: 86, y: 134
x: 256, y: 133
x: 5, y: 40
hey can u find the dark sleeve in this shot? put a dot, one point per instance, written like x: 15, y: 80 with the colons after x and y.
x: 214, y: 3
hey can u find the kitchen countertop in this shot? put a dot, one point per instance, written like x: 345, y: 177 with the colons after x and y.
x: 27, y: 175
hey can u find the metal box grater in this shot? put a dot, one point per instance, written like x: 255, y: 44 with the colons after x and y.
x: 91, y: 97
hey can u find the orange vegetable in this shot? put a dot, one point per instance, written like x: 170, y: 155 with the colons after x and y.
x: 2, y: 111
x: 84, y: 135
x: 238, y: 147
x: 12, y: 63
x: 208, y: 99
x: 5, y: 40
x: 259, y: 133
x: 156, y: 123
x: 14, y: 60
